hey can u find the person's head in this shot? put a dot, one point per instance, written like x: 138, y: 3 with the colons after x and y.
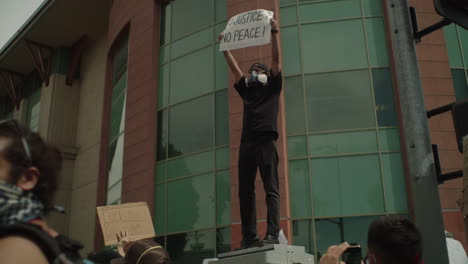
x: 259, y: 68
x: 146, y: 252
x: 27, y: 162
x: 393, y: 239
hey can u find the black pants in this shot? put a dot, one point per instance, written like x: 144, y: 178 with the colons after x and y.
x: 262, y: 155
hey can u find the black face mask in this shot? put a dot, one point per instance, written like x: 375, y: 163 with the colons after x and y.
x: 256, y: 80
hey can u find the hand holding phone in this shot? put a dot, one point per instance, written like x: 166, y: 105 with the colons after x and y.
x: 353, y: 255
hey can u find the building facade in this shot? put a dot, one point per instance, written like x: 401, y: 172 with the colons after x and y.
x: 140, y: 100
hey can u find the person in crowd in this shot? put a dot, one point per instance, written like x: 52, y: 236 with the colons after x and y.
x: 260, y: 92
x: 29, y: 171
x: 390, y: 240
x: 141, y: 251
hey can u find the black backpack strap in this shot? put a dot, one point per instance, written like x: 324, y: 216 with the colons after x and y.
x: 44, y: 241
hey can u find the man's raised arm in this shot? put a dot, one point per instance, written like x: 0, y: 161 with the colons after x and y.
x: 275, y: 65
x: 231, y: 61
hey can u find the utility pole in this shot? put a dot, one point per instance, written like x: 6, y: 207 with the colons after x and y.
x: 423, y: 182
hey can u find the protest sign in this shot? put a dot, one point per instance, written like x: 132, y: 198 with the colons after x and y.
x: 135, y: 217
x: 248, y: 29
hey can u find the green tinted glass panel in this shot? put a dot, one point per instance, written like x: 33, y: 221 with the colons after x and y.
x: 223, y: 198
x: 347, y: 185
x: 299, y: 189
x: 328, y: 233
x: 333, y: 231
x: 343, y: 143
x: 297, y: 147
x: 287, y: 2
x: 463, y: 33
x: 190, y: 165
x: 189, y: 16
x: 118, y: 88
x: 165, y: 54
x: 328, y: 48
x: 223, y: 240
x: 291, y: 50
x: 389, y: 139
x: 395, y: 186
x: 340, y: 100
x: 193, y: 42
x: 222, y: 118
x: 117, y: 124
x: 221, y: 70
x: 221, y: 10
x: 376, y: 39
x: 161, y: 172
x: 384, y: 99
x: 218, y: 29
x: 328, y: 10
x: 302, y: 234
x: 189, y: 78
x: 460, y: 84
x: 160, y: 209
x: 163, y: 89
x: 195, y: 197
x: 288, y: 15
x: 119, y: 62
x: 295, y: 110
x: 193, y: 247
x: 191, y: 126
x: 453, y: 46
x: 222, y: 158
x: 372, y: 8
x: 166, y: 24
x: 161, y: 144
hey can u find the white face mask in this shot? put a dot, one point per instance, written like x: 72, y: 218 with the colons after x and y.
x: 263, y: 78
x: 256, y: 78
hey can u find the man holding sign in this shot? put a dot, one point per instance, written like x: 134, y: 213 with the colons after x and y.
x: 260, y: 91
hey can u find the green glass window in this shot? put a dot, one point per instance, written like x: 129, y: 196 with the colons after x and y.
x: 192, y: 247
x: 342, y: 126
x: 189, y: 16
x: 190, y: 79
x: 384, y: 99
x: 192, y: 169
x: 350, y: 185
x: 339, y: 100
x: 326, y: 53
x: 117, y: 123
x: 456, y: 39
x: 295, y: 111
x: 195, y: 196
x: 223, y: 198
x: 460, y: 83
x: 191, y: 126
x: 299, y: 189
x: 34, y: 110
x: 190, y: 165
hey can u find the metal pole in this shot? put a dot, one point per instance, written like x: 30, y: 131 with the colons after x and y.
x: 423, y: 181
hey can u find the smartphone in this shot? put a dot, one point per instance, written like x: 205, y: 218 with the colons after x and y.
x: 353, y: 255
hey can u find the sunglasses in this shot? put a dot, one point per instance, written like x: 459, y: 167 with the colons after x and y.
x: 13, y: 125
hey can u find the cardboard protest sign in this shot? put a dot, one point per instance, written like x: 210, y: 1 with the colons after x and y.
x: 247, y: 29
x: 135, y: 217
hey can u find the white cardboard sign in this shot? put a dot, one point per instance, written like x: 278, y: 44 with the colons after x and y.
x: 248, y: 29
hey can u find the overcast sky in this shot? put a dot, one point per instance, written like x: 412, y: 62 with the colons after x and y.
x: 13, y: 14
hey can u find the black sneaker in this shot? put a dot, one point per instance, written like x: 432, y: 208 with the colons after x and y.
x: 250, y: 243
x: 270, y: 240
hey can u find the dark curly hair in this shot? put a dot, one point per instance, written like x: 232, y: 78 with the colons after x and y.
x: 47, y: 159
x: 395, y: 239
